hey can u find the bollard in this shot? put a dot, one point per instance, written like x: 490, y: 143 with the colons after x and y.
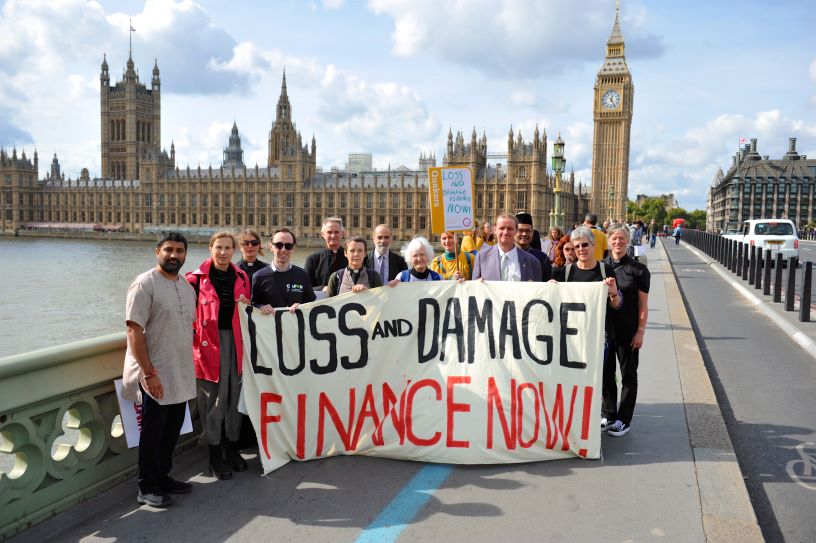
x: 745, y: 261
x: 766, y: 271
x: 759, y: 268
x: 738, y: 263
x: 804, y: 297
x: 790, y: 287
x: 727, y: 260
x: 752, y: 266
x: 777, y: 288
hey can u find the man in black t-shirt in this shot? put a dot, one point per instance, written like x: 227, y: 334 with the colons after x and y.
x: 281, y: 284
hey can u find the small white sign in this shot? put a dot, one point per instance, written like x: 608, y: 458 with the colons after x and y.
x: 131, y: 413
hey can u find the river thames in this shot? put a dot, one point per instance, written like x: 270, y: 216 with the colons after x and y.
x: 63, y: 290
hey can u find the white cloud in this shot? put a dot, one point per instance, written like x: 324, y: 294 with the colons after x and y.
x: 387, y: 119
x: 516, y: 37
x: 333, y: 4
x: 686, y: 164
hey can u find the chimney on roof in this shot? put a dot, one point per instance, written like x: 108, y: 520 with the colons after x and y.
x: 792, y: 154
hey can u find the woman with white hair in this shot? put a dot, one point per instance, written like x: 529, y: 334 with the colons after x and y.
x: 417, y: 253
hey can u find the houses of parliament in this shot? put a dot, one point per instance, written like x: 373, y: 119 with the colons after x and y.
x: 143, y: 189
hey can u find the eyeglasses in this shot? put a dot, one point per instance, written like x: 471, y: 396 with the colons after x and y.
x: 253, y: 242
x: 281, y: 245
x: 583, y: 245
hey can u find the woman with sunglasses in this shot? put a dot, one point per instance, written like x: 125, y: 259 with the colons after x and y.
x: 587, y: 269
x: 250, y: 244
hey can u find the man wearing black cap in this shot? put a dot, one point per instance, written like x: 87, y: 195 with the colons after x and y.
x: 524, y: 237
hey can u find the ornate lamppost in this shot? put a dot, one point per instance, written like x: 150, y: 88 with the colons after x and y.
x: 558, y: 163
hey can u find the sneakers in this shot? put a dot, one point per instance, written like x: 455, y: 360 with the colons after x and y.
x: 171, y: 486
x: 618, y: 429
x: 153, y: 499
x: 604, y: 424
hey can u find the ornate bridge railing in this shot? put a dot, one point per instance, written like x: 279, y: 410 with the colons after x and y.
x: 61, y: 437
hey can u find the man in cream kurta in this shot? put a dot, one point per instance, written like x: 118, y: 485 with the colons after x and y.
x: 158, y: 371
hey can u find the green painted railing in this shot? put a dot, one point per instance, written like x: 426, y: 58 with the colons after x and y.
x: 62, y: 439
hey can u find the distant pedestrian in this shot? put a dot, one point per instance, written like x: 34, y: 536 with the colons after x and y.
x: 158, y: 370
x: 678, y: 233
x: 652, y: 231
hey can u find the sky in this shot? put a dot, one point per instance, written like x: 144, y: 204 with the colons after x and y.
x: 391, y: 77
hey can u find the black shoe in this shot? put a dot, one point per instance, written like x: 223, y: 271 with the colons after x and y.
x: 234, y: 458
x: 171, y: 486
x: 218, y: 467
x: 154, y: 498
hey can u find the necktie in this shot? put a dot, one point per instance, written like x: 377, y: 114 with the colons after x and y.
x: 382, y: 268
x: 505, y: 267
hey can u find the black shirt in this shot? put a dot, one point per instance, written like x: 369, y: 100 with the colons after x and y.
x: 577, y: 275
x: 224, y: 284
x: 251, y: 267
x: 321, y: 264
x: 544, y: 260
x: 632, y: 277
x: 281, y: 288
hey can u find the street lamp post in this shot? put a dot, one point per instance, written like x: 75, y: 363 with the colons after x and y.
x: 558, y: 163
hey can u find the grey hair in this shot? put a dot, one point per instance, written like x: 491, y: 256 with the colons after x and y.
x: 415, y: 245
x: 330, y: 220
x: 619, y: 227
x: 583, y: 232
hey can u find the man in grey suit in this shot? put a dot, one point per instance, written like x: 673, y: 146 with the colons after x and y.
x: 504, y: 261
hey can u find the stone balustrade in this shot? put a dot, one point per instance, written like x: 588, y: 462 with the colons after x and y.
x: 62, y: 439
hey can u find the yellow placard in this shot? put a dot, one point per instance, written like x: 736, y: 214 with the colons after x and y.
x: 452, y: 198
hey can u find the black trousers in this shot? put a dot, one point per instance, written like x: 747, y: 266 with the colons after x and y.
x: 160, y: 431
x: 623, y: 354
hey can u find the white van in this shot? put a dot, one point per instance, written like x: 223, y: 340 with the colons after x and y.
x: 778, y: 235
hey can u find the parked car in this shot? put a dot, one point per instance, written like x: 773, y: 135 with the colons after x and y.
x: 778, y: 235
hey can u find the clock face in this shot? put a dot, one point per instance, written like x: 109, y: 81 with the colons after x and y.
x: 610, y: 99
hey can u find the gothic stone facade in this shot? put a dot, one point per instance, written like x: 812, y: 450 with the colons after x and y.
x: 143, y: 190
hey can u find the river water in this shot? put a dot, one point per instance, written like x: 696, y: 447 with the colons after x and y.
x: 58, y: 291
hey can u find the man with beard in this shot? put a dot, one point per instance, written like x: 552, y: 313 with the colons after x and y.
x: 321, y: 264
x: 158, y: 370
x: 524, y: 238
x: 381, y: 259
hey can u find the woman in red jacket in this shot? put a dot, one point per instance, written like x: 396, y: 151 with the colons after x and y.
x: 217, y: 352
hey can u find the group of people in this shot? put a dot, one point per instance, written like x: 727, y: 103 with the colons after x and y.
x: 184, y: 338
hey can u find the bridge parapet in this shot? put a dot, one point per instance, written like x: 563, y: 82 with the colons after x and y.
x: 61, y: 435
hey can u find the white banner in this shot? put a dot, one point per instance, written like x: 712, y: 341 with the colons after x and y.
x: 131, y: 415
x: 472, y: 373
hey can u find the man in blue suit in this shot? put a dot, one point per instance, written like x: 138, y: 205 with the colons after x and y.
x: 504, y: 261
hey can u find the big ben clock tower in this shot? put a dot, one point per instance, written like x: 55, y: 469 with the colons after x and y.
x: 613, y: 121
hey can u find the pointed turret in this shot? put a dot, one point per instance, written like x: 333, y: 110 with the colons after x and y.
x: 156, y: 80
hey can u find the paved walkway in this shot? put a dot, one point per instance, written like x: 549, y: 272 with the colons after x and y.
x: 672, y: 478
